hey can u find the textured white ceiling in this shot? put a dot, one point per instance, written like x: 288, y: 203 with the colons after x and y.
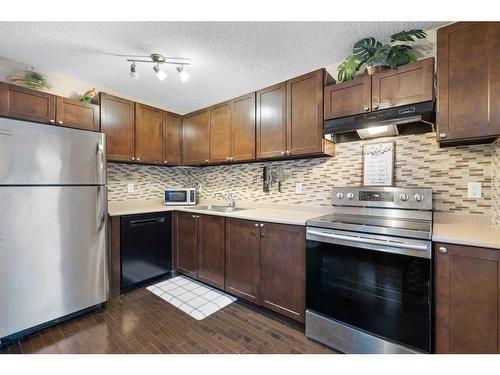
x: 228, y: 58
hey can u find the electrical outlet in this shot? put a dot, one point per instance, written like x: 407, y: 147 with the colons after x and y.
x: 298, y: 187
x: 474, y: 190
x: 130, y: 188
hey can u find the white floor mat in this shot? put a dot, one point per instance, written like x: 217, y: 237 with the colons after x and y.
x: 196, y: 299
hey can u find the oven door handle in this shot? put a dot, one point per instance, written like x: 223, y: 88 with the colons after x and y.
x: 399, y: 245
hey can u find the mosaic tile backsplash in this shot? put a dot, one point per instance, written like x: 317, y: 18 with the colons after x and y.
x: 419, y: 162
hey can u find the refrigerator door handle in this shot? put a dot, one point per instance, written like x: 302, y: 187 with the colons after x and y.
x: 101, y: 203
x: 100, y: 162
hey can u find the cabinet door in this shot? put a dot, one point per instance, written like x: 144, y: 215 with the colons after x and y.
x: 117, y: 122
x: 468, y: 88
x: 348, y: 98
x: 172, y: 138
x: 408, y: 84
x: 305, y: 114
x: 26, y: 104
x: 467, y: 297
x: 243, y: 128
x: 271, y: 121
x: 211, y: 250
x: 220, y: 133
x: 186, y: 244
x: 75, y: 114
x: 283, y: 265
x: 148, y: 134
x: 243, y: 259
x: 196, y: 137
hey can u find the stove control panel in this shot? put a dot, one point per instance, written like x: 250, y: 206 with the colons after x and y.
x: 384, y: 197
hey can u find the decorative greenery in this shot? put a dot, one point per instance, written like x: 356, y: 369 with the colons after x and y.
x: 369, y: 52
x: 347, y: 70
x: 31, y: 79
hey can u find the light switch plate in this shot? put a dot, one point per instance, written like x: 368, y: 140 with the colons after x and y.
x: 474, y: 190
x: 298, y: 187
x: 130, y: 188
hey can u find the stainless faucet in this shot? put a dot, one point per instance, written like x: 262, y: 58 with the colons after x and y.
x: 228, y: 197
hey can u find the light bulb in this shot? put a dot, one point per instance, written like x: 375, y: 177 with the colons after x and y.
x: 133, y: 72
x: 160, y: 74
x: 183, y: 74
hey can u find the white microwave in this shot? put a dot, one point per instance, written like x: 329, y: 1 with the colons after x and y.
x: 179, y: 196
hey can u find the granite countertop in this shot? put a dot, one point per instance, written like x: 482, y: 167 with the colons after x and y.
x: 271, y: 213
x: 469, y: 230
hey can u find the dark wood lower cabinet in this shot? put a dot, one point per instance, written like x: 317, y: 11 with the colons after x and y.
x: 186, y: 244
x: 243, y: 259
x: 467, y: 299
x: 211, y: 250
x: 283, y: 269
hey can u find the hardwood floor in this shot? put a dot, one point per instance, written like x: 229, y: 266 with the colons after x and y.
x: 141, y: 322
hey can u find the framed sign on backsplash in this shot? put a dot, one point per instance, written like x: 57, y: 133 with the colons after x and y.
x: 378, y: 164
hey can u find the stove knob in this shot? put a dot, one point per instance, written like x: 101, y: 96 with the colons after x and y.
x: 419, y: 197
x: 339, y: 195
x: 350, y: 195
x: 404, y: 197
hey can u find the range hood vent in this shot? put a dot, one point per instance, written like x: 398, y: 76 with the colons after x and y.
x: 404, y: 120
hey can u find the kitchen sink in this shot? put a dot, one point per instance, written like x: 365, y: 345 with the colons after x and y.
x: 218, y: 208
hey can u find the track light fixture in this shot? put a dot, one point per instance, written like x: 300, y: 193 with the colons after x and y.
x: 157, y: 60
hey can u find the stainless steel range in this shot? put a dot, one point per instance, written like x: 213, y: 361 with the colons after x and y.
x: 369, y: 271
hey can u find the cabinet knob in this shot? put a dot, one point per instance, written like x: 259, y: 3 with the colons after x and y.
x: 231, y: 158
x: 228, y: 158
x: 261, y: 225
x: 443, y: 250
x: 133, y: 158
x: 60, y: 122
x: 375, y: 106
x: 288, y: 152
x: 165, y: 162
x: 256, y: 225
x: 52, y: 121
x: 282, y: 152
x: 442, y: 135
x: 138, y: 159
x: 206, y: 160
x: 366, y: 108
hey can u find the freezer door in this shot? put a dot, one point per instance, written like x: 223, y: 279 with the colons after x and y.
x: 36, y: 154
x: 52, y: 253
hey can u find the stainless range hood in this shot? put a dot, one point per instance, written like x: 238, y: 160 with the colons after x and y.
x: 404, y: 120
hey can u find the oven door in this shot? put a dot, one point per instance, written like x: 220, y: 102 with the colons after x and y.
x: 376, y: 284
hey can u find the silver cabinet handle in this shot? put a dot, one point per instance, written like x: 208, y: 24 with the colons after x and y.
x: 206, y: 160
x: 366, y: 108
x: 52, y: 121
x: 282, y: 152
x: 375, y: 106
x: 138, y: 159
x: 166, y: 162
x: 133, y: 158
x: 443, y: 250
x: 287, y: 152
x: 60, y: 122
x: 442, y: 135
x: 261, y: 225
x: 256, y: 225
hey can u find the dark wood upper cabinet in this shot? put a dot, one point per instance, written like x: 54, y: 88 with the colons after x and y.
x: 196, y: 137
x: 118, y: 123
x: 467, y: 299
x: 172, y: 138
x: 186, y: 243
x: 243, y: 128
x: 348, y: 98
x: 305, y: 114
x: 26, y: 104
x: 243, y: 259
x: 220, y: 133
x: 468, y: 81
x: 271, y: 121
x: 76, y: 114
x: 283, y: 269
x: 211, y: 250
x: 148, y: 134
x: 408, y: 84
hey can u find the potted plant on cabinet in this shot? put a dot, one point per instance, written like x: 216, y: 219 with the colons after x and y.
x: 371, y: 54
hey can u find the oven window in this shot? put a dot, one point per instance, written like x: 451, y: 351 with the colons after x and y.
x: 385, y: 294
x: 179, y: 196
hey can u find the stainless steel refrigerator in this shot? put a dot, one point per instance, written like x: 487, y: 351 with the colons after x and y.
x: 53, y: 210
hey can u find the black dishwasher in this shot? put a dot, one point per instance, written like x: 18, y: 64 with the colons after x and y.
x: 146, y: 250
